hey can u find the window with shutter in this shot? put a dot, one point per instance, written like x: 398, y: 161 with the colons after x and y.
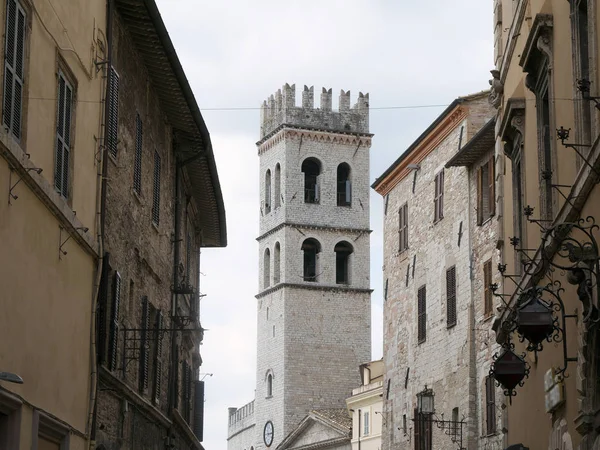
x: 158, y: 338
x: 14, y: 63
x: 184, y: 383
x: 156, y: 190
x: 417, y: 419
x: 480, y: 189
x: 188, y: 257
x: 487, y: 292
x: 137, y: 163
x: 492, y: 186
x: 451, y: 296
x: 102, y: 312
x: 199, y: 410
x: 114, y: 322
x: 175, y: 375
x: 490, y: 405
x: 144, y: 345
x: 112, y: 126
x: 438, y: 199
x: 63, y: 135
x: 403, y: 228
x: 422, y: 314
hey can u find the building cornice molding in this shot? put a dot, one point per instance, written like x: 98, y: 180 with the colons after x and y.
x: 291, y: 132
x: 303, y: 226
x: 427, y: 145
x: 511, y: 43
x: 313, y: 287
x: 20, y: 164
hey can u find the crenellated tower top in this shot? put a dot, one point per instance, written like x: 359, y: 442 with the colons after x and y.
x: 280, y: 109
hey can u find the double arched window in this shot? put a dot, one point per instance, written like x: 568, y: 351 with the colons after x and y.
x: 344, y: 185
x: 311, y: 249
x: 276, y: 263
x: 276, y: 266
x: 343, y: 250
x: 311, y: 167
x: 268, y: 192
x: 269, y: 380
x: 267, y: 268
x: 277, y: 190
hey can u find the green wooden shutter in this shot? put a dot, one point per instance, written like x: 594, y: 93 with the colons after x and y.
x: 114, y: 322
x: 14, y: 62
x: 112, y: 126
x: 63, y: 136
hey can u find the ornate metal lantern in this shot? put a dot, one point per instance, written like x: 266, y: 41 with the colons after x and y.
x: 535, y: 321
x: 509, y: 369
x: 425, y: 402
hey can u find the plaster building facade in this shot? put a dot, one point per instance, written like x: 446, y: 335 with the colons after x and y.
x: 365, y: 406
x: 163, y: 204
x: 545, y: 87
x: 439, y: 244
x: 52, y: 99
x: 314, y: 302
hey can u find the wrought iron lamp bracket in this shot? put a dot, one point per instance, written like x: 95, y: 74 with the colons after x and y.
x: 12, y: 186
x: 452, y: 428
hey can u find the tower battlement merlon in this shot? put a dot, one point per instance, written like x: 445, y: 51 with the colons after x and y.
x: 280, y: 109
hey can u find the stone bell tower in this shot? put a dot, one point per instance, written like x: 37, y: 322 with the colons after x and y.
x: 314, y: 300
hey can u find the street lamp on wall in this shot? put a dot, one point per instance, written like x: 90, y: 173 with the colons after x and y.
x: 425, y: 402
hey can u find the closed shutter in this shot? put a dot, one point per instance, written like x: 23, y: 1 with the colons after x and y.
x: 451, y: 296
x: 175, y: 374
x: 156, y: 190
x: 385, y: 290
x: 114, y: 323
x: 490, y: 399
x: 63, y: 136
x: 102, y: 311
x: 188, y: 397
x: 14, y: 62
x: 422, y: 314
x: 198, y: 426
x: 158, y: 340
x: 137, y: 163
x: 401, y: 229
x: 144, y: 345
x: 438, y: 200
x: 112, y: 127
x: 188, y: 258
x: 405, y: 226
x: 479, y: 195
x: 487, y: 292
x: 417, y: 419
x: 492, y: 186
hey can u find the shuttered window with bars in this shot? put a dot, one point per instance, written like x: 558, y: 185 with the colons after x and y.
x: 490, y: 406
x: 144, y: 346
x: 174, y: 372
x: 158, y: 342
x: 403, y: 228
x: 451, y: 296
x: 14, y: 64
x: 186, y: 390
x: 486, y: 197
x: 113, y: 344
x: 156, y: 190
x: 137, y: 163
x: 112, y: 126
x: 422, y: 314
x: 63, y: 135
x: 438, y: 199
x: 487, y: 292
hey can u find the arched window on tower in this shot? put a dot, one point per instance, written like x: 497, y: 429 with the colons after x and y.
x: 311, y: 167
x: 344, y: 185
x: 269, y: 385
x: 267, y: 268
x: 343, y: 250
x: 268, y: 192
x: 311, y: 248
x: 277, y: 182
x: 276, y: 263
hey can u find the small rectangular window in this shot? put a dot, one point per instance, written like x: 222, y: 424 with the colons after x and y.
x: 403, y: 228
x: 487, y: 292
x: 490, y: 406
x: 422, y: 314
x: 63, y: 135
x: 438, y: 200
x: 137, y: 163
x: 451, y: 296
x: 156, y: 190
x: 366, y: 424
x: 112, y: 126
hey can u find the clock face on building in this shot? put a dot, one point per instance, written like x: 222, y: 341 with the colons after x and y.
x: 268, y: 433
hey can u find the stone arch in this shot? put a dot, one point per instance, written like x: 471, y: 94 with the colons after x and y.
x: 310, y: 249
x: 267, y: 268
x: 343, y: 253
x: 277, y: 186
x: 311, y: 167
x: 268, y: 191
x: 344, y: 185
x: 276, y: 263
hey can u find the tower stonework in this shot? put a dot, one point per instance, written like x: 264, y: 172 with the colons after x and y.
x: 313, y: 304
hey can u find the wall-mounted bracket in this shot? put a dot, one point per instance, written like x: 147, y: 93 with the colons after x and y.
x: 61, y: 251
x: 11, y: 186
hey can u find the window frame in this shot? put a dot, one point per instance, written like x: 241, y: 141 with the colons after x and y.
x: 403, y: 228
x: 438, y: 198
x: 138, y: 153
x: 486, y: 187
x: 366, y: 423
x: 156, y: 188
x: 112, y: 126
x: 451, y: 316
x: 488, y: 300
x: 63, y: 145
x: 422, y: 314
x: 491, y: 426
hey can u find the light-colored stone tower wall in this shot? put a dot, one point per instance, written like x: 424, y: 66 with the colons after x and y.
x: 312, y: 335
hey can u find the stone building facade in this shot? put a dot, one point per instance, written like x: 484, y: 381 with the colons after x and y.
x: 163, y: 204
x: 314, y: 301
x: 545, y: 87
x: 51, y: 100
x: 434, y: 326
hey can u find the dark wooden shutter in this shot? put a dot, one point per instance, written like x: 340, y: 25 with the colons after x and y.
x: 14, y: 62
x: 63, y: 136
x: 479, y: 195
x: 405, y: 226
x: 385, y: 290
x: 188, y: 258
x: 158, y: 340
x: 113, y: 345
x: 487, y: 292
x: 492, y: 186
x: 156, y: 190
x: 102, y: 311
x: 175, y: 374
x: 490, y: 400
x: 199, y: 410
x: 188, y: 398
x: 144, y: 345
x: 417, y: 420
x: 112, y: 127
x: 451, y: 296
x: 385, y: 204
x: 137, y: 163
x: 441, y: 195
x: 401, y: 229
x: 422, y: 314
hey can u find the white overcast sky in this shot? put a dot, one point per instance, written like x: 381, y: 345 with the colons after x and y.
x: 235, y: 54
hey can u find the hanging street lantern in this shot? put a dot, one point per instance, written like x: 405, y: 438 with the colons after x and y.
x: 509, y: 369
x: 535, y: 321
x: 425, y: 403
